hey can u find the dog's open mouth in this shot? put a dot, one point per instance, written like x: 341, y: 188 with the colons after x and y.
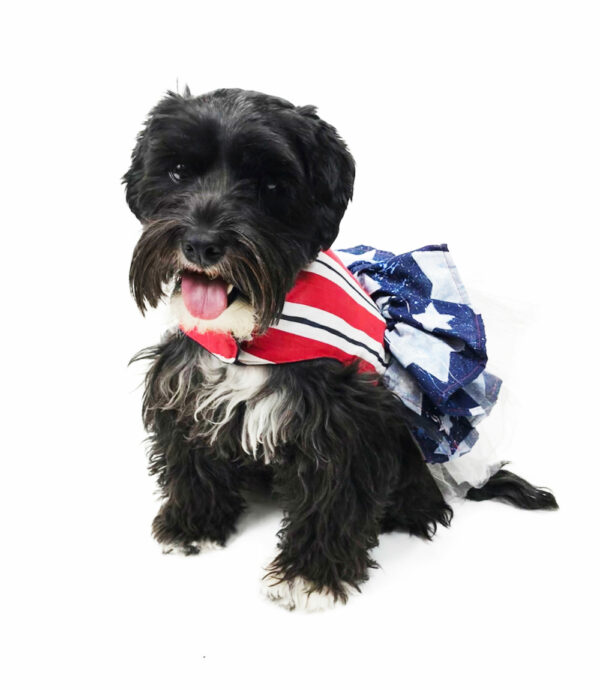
x: 205, y: 297
x: 208, y: 299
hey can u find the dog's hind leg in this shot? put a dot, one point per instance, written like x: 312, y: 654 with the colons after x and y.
x: 416, y: 504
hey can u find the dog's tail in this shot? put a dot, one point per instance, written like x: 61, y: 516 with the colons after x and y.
x: 511, y: 488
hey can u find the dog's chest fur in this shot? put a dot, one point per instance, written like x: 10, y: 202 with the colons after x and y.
x: 232, y: 392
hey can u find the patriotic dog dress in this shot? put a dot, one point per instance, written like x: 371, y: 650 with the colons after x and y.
x: 405, y: 317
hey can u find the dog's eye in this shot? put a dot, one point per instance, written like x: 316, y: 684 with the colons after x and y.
x: 270, y: 185
x: 177, y: 173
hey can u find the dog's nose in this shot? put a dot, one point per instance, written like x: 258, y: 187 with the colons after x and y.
x: 204, y: 250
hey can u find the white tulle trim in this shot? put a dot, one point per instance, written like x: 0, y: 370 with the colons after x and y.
x: 456, y: 477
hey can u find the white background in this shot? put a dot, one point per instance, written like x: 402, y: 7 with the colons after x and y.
x: 472, y: 123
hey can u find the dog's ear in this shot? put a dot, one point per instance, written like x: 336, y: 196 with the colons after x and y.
x: 132, y: 179
x: 331, y: 172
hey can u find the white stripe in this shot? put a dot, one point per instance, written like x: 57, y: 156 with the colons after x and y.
x: 247, y: 358
x: 323, y: 336
x: 325, y: 318
x: 228, y: 360
x: 340, y: 278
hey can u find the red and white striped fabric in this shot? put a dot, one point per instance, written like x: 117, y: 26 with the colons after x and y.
x: 326, y: 314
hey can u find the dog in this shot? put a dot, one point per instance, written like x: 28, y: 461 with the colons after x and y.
x: 238, y: 192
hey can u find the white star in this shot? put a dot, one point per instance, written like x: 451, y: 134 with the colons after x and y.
x: 349, y: 258
x: 446, y: 423
x: 440, y: 270
x: 431, y: 318
x: 368, y: 256
x: 413, y: 346
x: 443, y: 448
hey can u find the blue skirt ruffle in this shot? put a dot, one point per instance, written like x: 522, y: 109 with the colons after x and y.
x: 436, y: 342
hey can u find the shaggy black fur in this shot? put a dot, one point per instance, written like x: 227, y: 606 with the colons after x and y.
x: 347, y: 471
x: 266, y: 182
x: 250, y: 188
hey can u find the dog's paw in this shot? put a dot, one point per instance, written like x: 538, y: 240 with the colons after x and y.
x: 296, y: 594
x: 191, y: 548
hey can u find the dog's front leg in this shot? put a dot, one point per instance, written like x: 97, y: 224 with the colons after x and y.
x: 201, y: 492
x: 330, y: 523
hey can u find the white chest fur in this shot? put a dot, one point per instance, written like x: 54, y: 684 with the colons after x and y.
x: 225, y: 388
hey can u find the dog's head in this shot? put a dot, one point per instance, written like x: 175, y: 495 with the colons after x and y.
x: 237, y: 192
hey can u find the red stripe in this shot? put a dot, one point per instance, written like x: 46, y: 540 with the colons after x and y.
x: 220, y: 344
x: 316, y: 291
x: 280, y: 347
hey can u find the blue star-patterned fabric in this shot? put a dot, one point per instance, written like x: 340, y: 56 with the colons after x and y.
x: 436, y: 343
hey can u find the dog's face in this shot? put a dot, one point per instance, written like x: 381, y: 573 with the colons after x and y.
x: 237, y: 191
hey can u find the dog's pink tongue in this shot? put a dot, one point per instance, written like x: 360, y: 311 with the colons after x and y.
x: 203, y: 298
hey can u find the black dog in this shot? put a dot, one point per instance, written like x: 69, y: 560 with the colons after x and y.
x: 238, y: 192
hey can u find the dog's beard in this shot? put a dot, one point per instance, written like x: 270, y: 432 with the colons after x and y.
x: 259, y: 266
x: 153, y: 265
